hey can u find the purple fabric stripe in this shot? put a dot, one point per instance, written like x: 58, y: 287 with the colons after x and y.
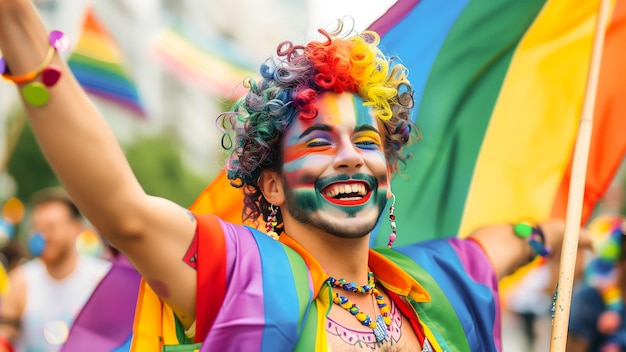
x: 240, y: 321
x: 480, y: 269
x: 106, y: 320
x: 393, y: 16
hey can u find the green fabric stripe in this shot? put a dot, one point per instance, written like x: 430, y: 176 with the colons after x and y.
x: 458, y: 100
x: 309, y: 333
x: 180, y: 331
x: 438, y: 314
x: 86, y: 62
x: 301, y: 280
x: 182, y: 348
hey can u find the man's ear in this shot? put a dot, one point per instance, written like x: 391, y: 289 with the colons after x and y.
x: 271, y: 185
x: 389, y: 193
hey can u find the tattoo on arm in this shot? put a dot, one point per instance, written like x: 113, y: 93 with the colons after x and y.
x: 191, y: 256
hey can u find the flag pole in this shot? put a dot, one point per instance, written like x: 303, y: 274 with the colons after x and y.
x: 565, y: 284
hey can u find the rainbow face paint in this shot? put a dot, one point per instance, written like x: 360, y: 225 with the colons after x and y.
x: 335, y: 171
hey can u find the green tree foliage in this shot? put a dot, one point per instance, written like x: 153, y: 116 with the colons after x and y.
x: 29, y: 167
x: 155, y: 160
x: 160, y: 170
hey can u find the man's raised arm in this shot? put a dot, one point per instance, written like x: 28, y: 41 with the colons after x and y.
x: 154, y: 233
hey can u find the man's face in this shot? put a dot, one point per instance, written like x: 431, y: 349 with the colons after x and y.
x: 54, y: 222
x: 335, y: 173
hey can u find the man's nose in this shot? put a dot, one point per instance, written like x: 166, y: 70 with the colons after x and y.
x: 348, y: 157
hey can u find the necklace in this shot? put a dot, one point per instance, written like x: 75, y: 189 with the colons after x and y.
x: 383, y: 320
x: 351, y: 286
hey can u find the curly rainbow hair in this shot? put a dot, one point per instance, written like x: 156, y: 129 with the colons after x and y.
x: 290, y: 85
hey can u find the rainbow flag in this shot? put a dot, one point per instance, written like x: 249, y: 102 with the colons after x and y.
x: 97, y: 63
x: 499, y: 87
x: 214, y: 66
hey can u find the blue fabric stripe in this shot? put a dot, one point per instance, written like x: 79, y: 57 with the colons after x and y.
x: 302, y: 279
x: 280, y: 296
x: 441, y: 261
x: 419, y: 36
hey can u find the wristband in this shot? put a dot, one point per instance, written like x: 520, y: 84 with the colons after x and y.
x: 36, y: 93
x: 536, y: 238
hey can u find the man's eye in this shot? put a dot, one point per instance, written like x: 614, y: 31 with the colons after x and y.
x: 318, y: 143
x: 367, y: 144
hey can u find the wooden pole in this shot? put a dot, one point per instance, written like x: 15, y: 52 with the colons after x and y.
x: 562, y: 302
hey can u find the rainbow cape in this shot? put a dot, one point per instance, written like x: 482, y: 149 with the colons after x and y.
x: 274, y: 297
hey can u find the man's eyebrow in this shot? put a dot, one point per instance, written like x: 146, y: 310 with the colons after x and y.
x: 316, y: 127
x: 366, y: 127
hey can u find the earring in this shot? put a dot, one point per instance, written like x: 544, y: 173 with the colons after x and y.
x: 392, y: 221
x: 272, y: 221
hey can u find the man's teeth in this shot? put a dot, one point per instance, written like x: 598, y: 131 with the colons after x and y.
x: 357, y: 188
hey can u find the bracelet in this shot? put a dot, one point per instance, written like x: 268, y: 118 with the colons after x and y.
x: 36, y: 93
x: 535, y: 236
x: 27, y: 77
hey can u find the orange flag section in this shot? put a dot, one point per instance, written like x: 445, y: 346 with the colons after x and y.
x: 221, y: 199
x: 608, y: 143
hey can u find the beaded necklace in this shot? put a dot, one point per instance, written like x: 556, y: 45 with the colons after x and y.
x: 383, y: 320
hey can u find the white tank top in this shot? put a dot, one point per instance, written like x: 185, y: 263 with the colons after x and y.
x: 52, y: 305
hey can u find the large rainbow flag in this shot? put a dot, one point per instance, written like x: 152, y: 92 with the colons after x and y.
x: 499, y: 91
x: 499, y: 87
x: 97, y: 63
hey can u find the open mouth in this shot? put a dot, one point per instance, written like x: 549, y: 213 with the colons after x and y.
x: 347, y: 193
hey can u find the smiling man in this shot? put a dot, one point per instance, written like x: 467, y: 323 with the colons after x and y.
x: 314, y: 144
x: 334, y: 172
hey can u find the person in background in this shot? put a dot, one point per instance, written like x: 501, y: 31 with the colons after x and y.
x: 598, y: 316
x: 597, y: 309
x: 48, y: 291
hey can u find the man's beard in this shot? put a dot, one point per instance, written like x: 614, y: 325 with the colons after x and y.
x: 294, y: 202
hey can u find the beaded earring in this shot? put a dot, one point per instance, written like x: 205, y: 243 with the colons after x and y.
x: 392, y: 221
x: 272, y: 221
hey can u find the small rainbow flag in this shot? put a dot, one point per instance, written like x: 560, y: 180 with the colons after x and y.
x: 213, y: 66
x: 97, y: 64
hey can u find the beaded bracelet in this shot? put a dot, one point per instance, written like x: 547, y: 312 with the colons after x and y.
x: 535, y: 236
x: 36, y: 93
